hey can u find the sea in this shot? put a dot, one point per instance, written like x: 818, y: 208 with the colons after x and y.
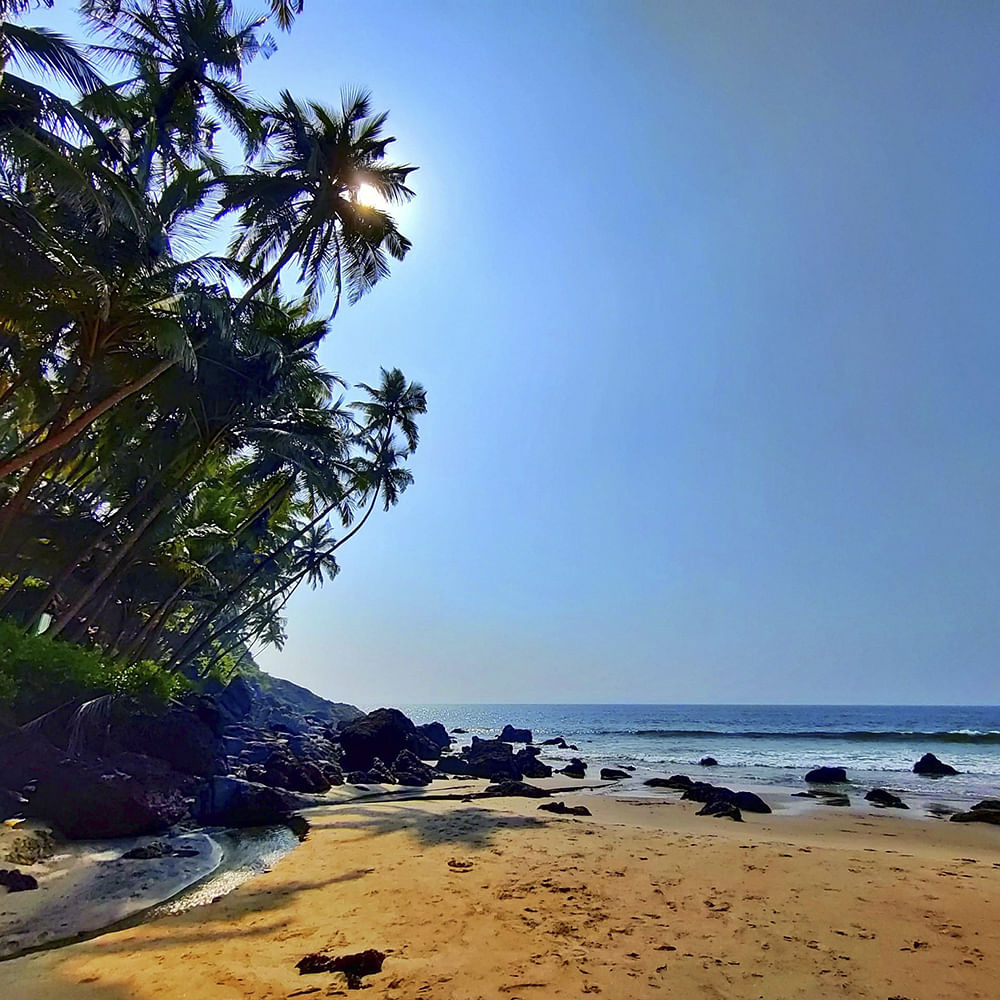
x: 763, y: 748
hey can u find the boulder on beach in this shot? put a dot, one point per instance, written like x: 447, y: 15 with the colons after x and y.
x: 511, y: 734
x: 885, y: 799
x: 977, y: 814
x: 521, y: 789
x: 932, y: 767
x: 436, y: 733
x: 17, y: 881
x: 556, y: 741
x: 483, y: 759
x: 678, y: 782
x: 721, y: 809
x: 226, y: 801
x: 576, y: 768
x: 827, y: 775
x: 750, y: 802
x: 560, y: 808
x: 708, y: 762
x: 531, y: 767
x: 613, y: 774
x: 382, y: 734
x: 409, y: 770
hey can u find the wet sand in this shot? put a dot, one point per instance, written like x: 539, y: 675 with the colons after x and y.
x: 494, y: 899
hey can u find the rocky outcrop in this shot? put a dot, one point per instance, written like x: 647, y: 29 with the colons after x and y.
x: 678, y: 782
x: 613, y: 774
x: 522, y: 789
x: 383, y: 733
x: 987, y: 811
x: 531, y: 767
x: 721, y: 809
x: 491, y: 759
x: 409, y: 770
x: 932, y: 767
x: 885, y: 799
x: 435, y: 734
x: 708, y: 762
x: 561, y: 809
x: 827, y: 775
x: 17, y: 881
x: 702, y: 791
x: 576, y: 768
x: 511, y: 734
x: 185, y: 737
x: 226, y: 801
x: 556, y: 741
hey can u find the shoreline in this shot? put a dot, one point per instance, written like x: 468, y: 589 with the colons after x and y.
x: 492, y: 898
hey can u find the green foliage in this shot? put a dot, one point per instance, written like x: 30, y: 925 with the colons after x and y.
x: 37, y: 672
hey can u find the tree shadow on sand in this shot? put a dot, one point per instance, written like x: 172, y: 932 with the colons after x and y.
x: 469, y: 826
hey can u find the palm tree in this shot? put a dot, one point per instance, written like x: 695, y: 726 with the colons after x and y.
x: 301, y: 203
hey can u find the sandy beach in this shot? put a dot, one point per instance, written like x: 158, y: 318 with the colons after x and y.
x: 494, y: 899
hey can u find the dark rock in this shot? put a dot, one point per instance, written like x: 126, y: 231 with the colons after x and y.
x: 987, y: 804
x: 225, y: 801
x: 235, y: 701
x: 932, y: 767
x: 354, y: 967
x: 382, y: 734
x: 562, y: 809
x: 827, y: 775
x: 708, y: 762
x: 679, y: 782
x: 11, y: 804
x: 721, y: 809
x: 436, y: 733
x: 184, y: 737
x: 511, y: 734
x: 411, y: 771
x: 457, y: 730
x: 613, y: 774
x: 978, y: 816
x: 156, y: 849
x: 423, y: 746
x: 556, y: 741
x: 504, y: 789
x: 751, y: 803
x: 572, y: 746
x: 379, y: 774
x: 835, y: 800
x: 531, y: 767
x: 574, y: 771
x: 489, y: 759
x: 16, y: 881
x: 885, y: 799
x: 702, y: 791
x: 452, y: 766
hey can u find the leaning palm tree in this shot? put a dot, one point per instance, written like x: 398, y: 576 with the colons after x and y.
x: 301, y: 204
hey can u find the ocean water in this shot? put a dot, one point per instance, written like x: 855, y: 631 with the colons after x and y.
x: 769, y: 746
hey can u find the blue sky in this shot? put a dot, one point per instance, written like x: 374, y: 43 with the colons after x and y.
x: 705, y: 299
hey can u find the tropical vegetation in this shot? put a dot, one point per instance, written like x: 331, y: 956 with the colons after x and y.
x: 175, y: 461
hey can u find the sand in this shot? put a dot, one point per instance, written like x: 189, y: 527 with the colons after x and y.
x: 494, y: 899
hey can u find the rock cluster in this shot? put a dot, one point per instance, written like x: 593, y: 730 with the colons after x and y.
x: 711, y: 795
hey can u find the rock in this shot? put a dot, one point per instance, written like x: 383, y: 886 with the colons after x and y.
x: 512, y: 735
x: 184, y: 737
x: 531, y: 767
x: 749, y: 802
x: 987, y: 804
x: 564, y: 810
x: 379, y: 774
x: 422, y: 746
x: 702, y: 791
x: 11, y: 804
x: 574, y: 771
x: 613, y: 774
x: 885, y: 799
x: 556, y: 741
x: 827, y: 775
x: 436, y: 733
x: 382, y: 734
x: 16, y: 881
x: 225, y: 801
x: 835, y: 800
x: 679, y: 782
x: 932, y: 767
x: 721, y: 809
x: 156, y: 849
x: 708, y: 762
x: 457, y: 730
x: 235, y: 701
x: 411, y: 771
x: 504, y: 789
x: 977, y: 815
x: 354, y: 967
x: 489, y: 759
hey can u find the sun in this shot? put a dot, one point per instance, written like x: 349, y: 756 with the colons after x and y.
x: 367, y: 195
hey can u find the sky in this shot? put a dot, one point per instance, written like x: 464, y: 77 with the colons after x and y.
x: 704, y: 297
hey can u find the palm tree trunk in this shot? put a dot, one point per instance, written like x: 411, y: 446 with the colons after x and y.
x: 74, y: 428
